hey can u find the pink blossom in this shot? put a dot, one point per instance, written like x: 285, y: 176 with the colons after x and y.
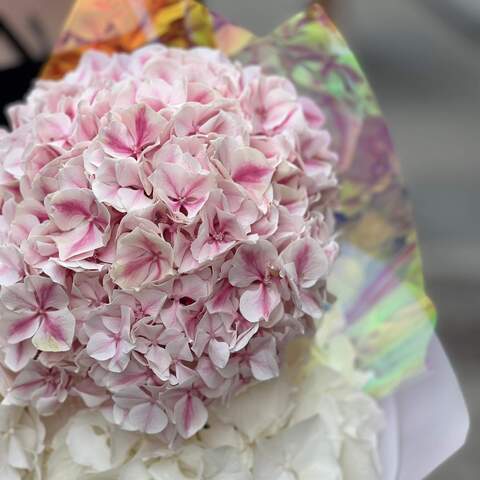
x: 190, y: 415
x: 81, y: 220
x: 44, y: 388
x: 12, y: 268
x: 272, y: 104
x: 258, y: 269
x: 248, y: 168
x: 166, y: 229
x: 185, y: 192
x: 37, y: 309
x: 181, y: 292
x: 218, y: 232
x: 142, y: 409
x: 131, y: 131
x: 117, y: 183
x: 142, y: 258
x: 110, y: 341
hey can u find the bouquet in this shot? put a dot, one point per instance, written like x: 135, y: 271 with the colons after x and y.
x: 208, y: 265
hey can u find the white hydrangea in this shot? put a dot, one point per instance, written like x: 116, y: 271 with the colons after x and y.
x: 322, y: 427
x: 22, y: 436
x: 313, y: 422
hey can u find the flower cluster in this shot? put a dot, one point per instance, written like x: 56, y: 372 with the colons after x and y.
x: 165, y: 230
x: 322, y: 426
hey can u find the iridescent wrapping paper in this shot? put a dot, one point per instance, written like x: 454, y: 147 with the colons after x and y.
x: 378, y: 279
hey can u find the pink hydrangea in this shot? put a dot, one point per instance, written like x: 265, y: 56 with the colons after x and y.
x: 166, y: 228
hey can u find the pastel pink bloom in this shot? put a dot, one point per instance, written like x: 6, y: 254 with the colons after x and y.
x: 143, y: 409
x: 39, y: 157
x: 131, y: 131
x: 215, y: 337
x: 169, y: 363
x: 261, y: 356
x: 12, y: 268
x: 183, y: 291
x: 218, y: 232
x: 203, y: 120
x: 44, y: 388
x: 305, y: 264
x: 13, y: 151
x: 190, y: 415
x: 149, y: 347
x: 22, y: 225
x: 37, y: 309
x: 257, y: 268
x: 248, y: 168
x: 110, y: 341
x: 142, y: 258
x: 187, y: 152
x: 87, y: 293
x: 90, y: 393
x: 166, y: 228
x: 317, y: 159
x: 185, y: 192
x: 223, y: 299
x: 117, y: 183
x: 145, y: 304
x: 82, y: 222
x: 53, y: 128
x: 163, y: 85
x: 237, y: 203
x: 17, y: 355
x: 272, y: 104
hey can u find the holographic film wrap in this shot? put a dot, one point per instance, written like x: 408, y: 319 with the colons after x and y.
x: 125, y: 25
x: 378, y: 278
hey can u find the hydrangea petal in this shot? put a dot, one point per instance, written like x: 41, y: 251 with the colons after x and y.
x: 190, y: 415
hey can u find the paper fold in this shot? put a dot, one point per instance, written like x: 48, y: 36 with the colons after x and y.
x: 427, y: 421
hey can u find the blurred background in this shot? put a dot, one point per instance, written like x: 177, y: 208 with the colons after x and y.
x: 422, y: 57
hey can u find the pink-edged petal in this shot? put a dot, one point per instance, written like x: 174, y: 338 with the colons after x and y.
x: 55, y: 333
x: 209, y: 373
x: 142, y: 258
x: 224, y: 299
x: 311, y: 263
x: 18, y: 297
x: 21, y: 326
x: 258, y: 302
x: 251, y: 169
x: 264, y: 362
x: 312, y: 302
x: 136, y: 128
x: 116, y: 140
x: 159, y: 360
x: 80, y: 241
x: 219, y: 353
x: 70, y: 208
x: 190, y: 415
x: 182, y: 191
x: 251, y: 262
x: 51, y: 127
x: 18, y: 355
x: 148, y: 418
x: 117, y: 183
x: 26, y: 383
x: 12, y: 268
x: 48, y: 295
x: 101, y: 346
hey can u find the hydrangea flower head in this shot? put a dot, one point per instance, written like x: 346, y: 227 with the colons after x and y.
x: 166, y: 228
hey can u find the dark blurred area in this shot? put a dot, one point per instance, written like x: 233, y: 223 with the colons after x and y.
x: 422, y: 57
